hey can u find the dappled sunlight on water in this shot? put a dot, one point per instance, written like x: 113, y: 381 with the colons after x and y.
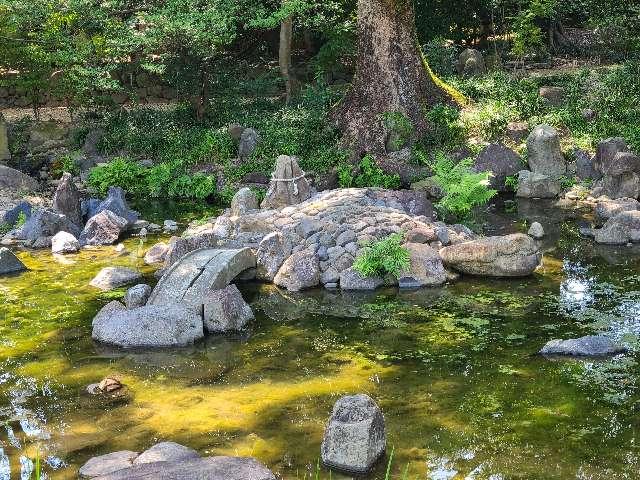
x: 454, y: 370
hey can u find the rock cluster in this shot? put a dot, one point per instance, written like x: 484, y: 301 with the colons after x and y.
x: 170, y: 461
x: 619, y: 169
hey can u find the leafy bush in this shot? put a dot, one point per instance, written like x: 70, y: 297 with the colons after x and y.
x: 463, y: 189
x: 63, y: 164
x: 369, y: 174
x: 441, y: 55
x: 388, y: 256
x: 446, y: 130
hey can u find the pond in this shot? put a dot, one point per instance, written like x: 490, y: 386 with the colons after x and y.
x: 454, y: 370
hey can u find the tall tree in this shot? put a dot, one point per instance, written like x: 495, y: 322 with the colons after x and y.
x: 391, y: 77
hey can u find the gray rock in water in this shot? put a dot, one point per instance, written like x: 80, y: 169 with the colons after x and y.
x: 536, y: 231
x: 501, y: 161
x: 64, y: 242
x: 12, y: 179
x: 9, y: 263
x: 110, y: 278
x: 536, y: 185
x: 514, y: 255
x: 288, y: 185
x: 104, y: 228
x: 544, y: 153
x: 137, y: 296
x: 156, y: 254
x: 589, y: 346
x: 426, y: 268
x: 45, y: 223
x: 245, y: 200
x: 249, y: 140
x: 607, y: 208
x: 226, y: 311
x: 166, y: 452
x: 106, y: 464
x: 355, y: 437
x: 108, y: 309
x: 350, y: 279
x: 66, y: 200
x: 620, y: 229
x: 209, y: 468
x: 299, y: 272
x: 150, y: 326
x: 622, y: 176
x: 116, y: 203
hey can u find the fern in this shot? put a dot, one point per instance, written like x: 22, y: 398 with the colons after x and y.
x: 388, y: 256
x: 464, y: 189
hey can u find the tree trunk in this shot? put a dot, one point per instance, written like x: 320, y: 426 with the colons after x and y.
x: 284, y: 54
x: 390, y: 77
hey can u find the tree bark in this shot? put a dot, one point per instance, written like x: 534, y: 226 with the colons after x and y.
x: 284, y: 54
x: 390, y: 77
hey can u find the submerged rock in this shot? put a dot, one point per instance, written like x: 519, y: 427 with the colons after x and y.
x: 350, y: 279
x: 514, y: 255
x: 166, y: 452
x: 589, y: 346
x: 149, y: 326
x: 109, y: 463
x: 536, y: 185
x: 110, y: 278
x: 607, y: 208
x: 9, y: 263
x: 355, y: 437
x: 226, y: 311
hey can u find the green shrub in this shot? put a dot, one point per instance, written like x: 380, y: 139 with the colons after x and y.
x: 463, y: 189
x: 21, y: 220
x: 65, y: 163
x: 369, y: 174
x: 441, y: 55
x: 388, y: 256
x: 446, y: 129
x: 120, y: 172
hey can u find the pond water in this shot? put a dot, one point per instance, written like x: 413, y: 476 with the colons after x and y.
x: 454, y: 370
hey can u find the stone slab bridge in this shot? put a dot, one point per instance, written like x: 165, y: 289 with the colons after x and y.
x: 190, y: 279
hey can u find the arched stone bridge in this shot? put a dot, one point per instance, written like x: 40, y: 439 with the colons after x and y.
x: 194, y: 275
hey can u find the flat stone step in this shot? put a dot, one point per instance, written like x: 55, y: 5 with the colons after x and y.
x: 189, y: 279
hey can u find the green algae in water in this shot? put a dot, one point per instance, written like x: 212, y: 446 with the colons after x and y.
x: 454, y: 370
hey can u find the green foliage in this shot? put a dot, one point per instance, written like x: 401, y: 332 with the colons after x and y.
x: 511, y: 182
x: 369, y: 174
x: 21, y: 220
x: 441, y: 55
x: 446, y: 130
x: 399, y: 128
x: 65, y: 163
x: 463, y: 188
x: 386, y: 257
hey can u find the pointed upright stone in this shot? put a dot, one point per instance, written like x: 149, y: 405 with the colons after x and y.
x: 288, y: 184
x: 66, y: 200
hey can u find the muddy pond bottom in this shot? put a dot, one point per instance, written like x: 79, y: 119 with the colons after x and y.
x: 454, y: 370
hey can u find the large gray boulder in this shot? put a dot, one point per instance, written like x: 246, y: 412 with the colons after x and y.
x: 166, y: 452
x: 106, y: 464
x: 116, y: 203
x: 156, y: 254
x: 544, y: 153
x: 9, y: 263
x: 288, y: 184
x: 585, y: 169
x: 622, y: 176
x: 64, y: 242
x: 606, y: 153
x: 501, y: 162
x: 150, y: 326
x: 11, y: 216
x: 514, y: 255
x: 536, y: 185
x: 249, y: 140
x: 355, y: 437
x: 66, y: 200
x: 108, y: 309
x: 208, y: 468
x: 589, y: 346
x: 471, y: 63
x: 621, y: 229
x: 351, y: 279
x: 12, y: 179
x: 137, y: 296
x: 273, y: 250
x: 104, y: 228
x: 110, y: 278
x: 226, y: 311
x: 426, y: 269
x: 45, y: 223
x: 244, y: 201
x: 299, y: 272
x: 607, y: 208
